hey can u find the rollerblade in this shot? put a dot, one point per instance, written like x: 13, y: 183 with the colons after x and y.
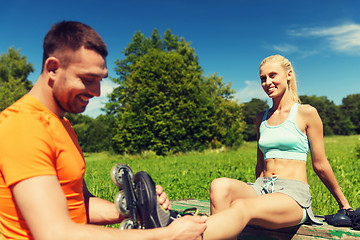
x: 137, y: 199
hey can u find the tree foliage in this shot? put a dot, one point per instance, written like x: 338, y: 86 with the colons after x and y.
x: 334, y: 122
x: 351, y: 110
x: 14, y: 71
x: 228, y: 115
x: 164, y: 104
x: 251, y: 109
x: 94, y: 135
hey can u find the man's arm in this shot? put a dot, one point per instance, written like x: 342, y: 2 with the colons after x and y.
x: 100, y: 211
x: 44, y: 207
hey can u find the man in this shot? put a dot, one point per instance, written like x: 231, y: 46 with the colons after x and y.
x: 42, y: 191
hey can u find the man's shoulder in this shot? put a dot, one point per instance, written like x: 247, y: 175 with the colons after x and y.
x: 24, y: 115
x: 25, y: 107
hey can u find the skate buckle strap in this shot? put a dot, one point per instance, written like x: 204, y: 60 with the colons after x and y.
x: 190, y: 211
x: 270, y: 183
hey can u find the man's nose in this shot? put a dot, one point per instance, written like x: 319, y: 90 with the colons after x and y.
x: 95, y: 89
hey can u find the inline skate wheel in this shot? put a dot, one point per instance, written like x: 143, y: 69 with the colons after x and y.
x: 127, y: 224
x: 117, y: 173
x: 121, y: 204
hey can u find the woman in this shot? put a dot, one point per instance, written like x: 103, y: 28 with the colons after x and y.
x: 280, y: 196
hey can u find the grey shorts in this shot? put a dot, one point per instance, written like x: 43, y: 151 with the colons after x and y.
x: 295, y: 189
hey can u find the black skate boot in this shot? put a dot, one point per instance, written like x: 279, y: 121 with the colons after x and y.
x: 152, y: 215
x: 137, y: 199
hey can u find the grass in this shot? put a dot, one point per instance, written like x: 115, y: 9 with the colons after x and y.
x: 189, y: 175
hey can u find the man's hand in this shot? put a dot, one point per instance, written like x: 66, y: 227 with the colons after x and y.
x: 188, y: 228
x: 162, y: 198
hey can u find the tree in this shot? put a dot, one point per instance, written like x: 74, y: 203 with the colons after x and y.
x: 94, y: 135
x: 14, y: 71
x: 161, y: 110
x: 329, y: 113
x: 137, y: 48
x: 140, y: 46
x: 251, y: 109
x: 229, y: 123
x: 164, y: 104
x: 351, y: 109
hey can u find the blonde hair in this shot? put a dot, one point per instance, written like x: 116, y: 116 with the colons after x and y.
x: 285, y: 63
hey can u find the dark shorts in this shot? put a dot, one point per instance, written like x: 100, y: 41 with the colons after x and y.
x: 295, y: 189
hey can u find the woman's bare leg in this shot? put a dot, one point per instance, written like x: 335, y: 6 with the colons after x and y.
x: 271, y: 211
x: 224, y: 191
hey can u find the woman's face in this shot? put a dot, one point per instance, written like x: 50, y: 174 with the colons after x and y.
x: 274, y: 79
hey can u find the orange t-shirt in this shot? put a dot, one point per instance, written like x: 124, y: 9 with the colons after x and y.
x: 35, y: 142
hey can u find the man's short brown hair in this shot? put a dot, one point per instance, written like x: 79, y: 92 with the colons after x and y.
x: 68, y: 36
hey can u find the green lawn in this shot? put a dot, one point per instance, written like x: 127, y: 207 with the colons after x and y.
x: 189, y: 175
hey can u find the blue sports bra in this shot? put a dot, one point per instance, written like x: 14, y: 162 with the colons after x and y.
x: 285, y: 141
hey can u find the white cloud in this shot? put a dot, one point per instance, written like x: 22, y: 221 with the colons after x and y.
x: 286, y: 48
x: 107, y: 87
x: 252, y: 89
x: 291, y: 49
x: 343, y: 38
x: 93, y: 109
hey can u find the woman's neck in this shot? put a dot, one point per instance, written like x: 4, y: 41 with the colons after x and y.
x: 284, y: 102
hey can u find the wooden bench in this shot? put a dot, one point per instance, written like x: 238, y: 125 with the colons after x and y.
x: 302, y: 232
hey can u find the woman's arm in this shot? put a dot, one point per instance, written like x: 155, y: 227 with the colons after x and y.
x: 260, y: 157
x: 322, y: 167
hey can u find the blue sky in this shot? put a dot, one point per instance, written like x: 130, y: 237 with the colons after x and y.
x: 320, y: 37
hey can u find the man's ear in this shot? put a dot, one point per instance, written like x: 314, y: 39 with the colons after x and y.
x: 52, y: 64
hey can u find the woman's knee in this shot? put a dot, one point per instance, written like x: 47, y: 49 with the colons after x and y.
x: 220, y: 187
x: 220, y: 194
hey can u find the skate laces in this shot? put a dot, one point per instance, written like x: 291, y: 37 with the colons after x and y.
x: 270, y: 183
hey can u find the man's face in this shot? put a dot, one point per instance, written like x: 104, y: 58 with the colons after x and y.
x: 79, y: 81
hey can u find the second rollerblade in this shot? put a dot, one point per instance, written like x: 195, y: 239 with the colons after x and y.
x: 137, y: 199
